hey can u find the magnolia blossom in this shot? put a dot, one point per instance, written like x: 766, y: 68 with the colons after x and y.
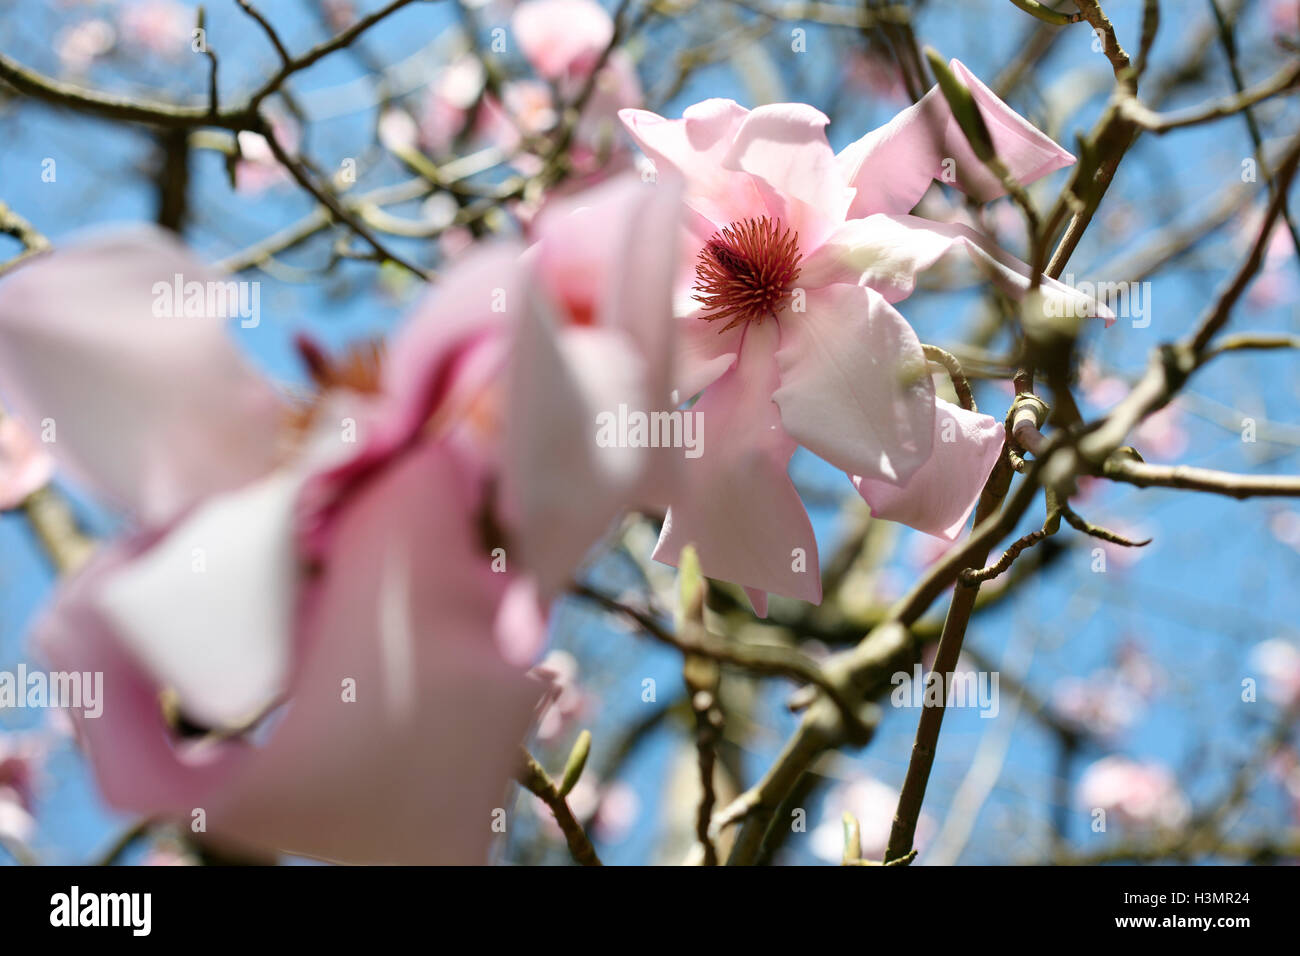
x: 1136, y: 794
x: 788, y: 329
x: 300, y: 636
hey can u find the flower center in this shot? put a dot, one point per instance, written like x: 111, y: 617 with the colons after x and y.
x: 745, y: 271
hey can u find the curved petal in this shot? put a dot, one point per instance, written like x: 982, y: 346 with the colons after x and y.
x: 696, y: 147
x: 138, y: 765
x: 407, y: 614
x: 562, y: 485
x: 739, y: 508
x: 892, y: 166
x: 405, y: 608
x: 885, y: 253
x: 784, y: 145
x: 940, y: 496
x: 609, y: 256
x: 152, y: 406
x: 704, y: 353
x: 854, y: 386
x: 209, y: 609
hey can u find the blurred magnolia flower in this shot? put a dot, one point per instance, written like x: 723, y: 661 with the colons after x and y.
x: 79, y: 45
x: 782, y: 228
x: 1143, y: 795
x: 1278, y: 662
x: 161, y: 27
x: 569, y: 701
x: 1098, y: 703
x: 257, y: 169
x: 574, y: 327
x: 20, y: 760
x: 300, y: 634
x: 873, y: 803
x: 25, y: 467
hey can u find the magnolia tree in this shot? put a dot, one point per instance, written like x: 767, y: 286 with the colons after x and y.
x: 670, y: 432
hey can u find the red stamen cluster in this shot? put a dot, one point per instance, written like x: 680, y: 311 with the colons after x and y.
x: 745, y: 271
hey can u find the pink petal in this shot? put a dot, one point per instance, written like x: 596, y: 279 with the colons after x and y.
x: 696, y: 148
x: 155, y: 412
x: 892, y: 166
x: 885, y: 253
x: 25, y: 467
x: 406, y: 607
x: 562, y: 38
x: 854, y: 387
x: 740, y: 509
x: 940, y: 496
x: 562, y: 489
x: 785, y: 146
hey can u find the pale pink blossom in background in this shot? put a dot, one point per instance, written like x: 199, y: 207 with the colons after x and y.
x: 1139, y: 795
x: 1284, y: 16
x: 257, y: 169
x: 160, y: 27
x: 609, y: 809
x: 782, y: 228
x: 570, y: 702
x: 341, y: 14
x: 361, y: 560
x: 1284, y: 525
x: 25, y: 466
x: 1278, y: 663
x: 1161, y: 436
x: 1276, y: 284
x: 21, y: 757
x: 875, y: 74
x: 873, y: 802
x: 1112, y: 699
x: 81, y: 44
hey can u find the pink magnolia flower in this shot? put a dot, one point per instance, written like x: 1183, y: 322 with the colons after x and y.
x: 563, y: 332
x: 25, y: 467
x: 327, y: 608
x: 781, y: 228
x: 1142, y: 795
